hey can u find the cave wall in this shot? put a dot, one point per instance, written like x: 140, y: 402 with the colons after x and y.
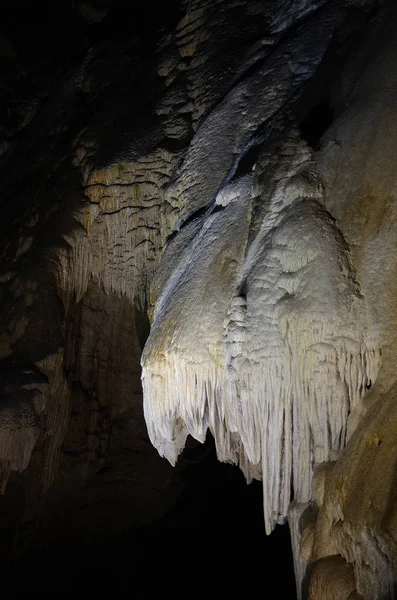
x: 356, y: 496
x: 226, y: 174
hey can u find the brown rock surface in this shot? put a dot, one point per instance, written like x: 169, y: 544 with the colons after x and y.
x: 118, y: 139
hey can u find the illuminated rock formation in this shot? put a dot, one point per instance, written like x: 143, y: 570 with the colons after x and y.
x: 214, y: 191
x: 260, y: 335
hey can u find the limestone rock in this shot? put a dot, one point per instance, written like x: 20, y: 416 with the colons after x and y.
x: 332, y: 579
x: 183, y: 175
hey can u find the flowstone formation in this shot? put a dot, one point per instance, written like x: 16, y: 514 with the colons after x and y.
x: 260, y: 331
x: 216, y: 203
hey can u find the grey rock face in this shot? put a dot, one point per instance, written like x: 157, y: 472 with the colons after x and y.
x: 233, y: 185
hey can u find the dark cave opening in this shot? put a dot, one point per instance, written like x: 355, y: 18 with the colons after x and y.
x: 213, y: 538
x: 316, y: 123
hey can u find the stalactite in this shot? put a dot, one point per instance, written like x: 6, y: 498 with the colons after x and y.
x: 265, y: 342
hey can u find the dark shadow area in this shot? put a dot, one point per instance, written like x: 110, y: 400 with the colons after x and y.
x: 324, y: 96
x: 316, y: 123
x: 212, y: 541
x: 247, y: 162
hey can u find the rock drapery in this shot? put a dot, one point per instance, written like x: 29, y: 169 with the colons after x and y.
x: 185, y: 184
x: 272, y: 371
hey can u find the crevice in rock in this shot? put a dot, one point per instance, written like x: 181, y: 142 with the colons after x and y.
x: 316, y: 122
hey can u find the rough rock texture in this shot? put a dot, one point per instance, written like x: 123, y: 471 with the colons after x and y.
x: 356, y: 519
x: 361, y: 526
x: 251, y: 365
x: 332, y: 577
x: 231, y: 178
